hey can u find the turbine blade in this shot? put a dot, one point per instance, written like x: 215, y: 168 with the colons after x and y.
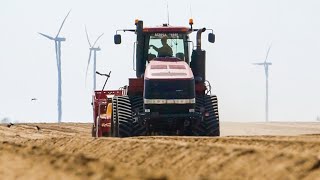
x: 258, y: 63
x: 268, y: 53
x: 87, y: 36
x: 49, y: 37
x: 63, y: 23
x: 97, y: 39
x: 88, y: 64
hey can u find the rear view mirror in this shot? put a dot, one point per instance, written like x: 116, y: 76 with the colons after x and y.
x: 117, y: 39
x: 211, y: 37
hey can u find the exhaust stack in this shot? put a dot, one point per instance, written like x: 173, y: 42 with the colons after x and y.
x: 140, y: 61
x: 199, y: 32
x: 198, y: 60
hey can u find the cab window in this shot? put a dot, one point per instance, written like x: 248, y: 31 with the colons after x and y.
x: 167, y: 45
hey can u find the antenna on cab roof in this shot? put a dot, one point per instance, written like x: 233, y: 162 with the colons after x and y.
x: 168, y: 13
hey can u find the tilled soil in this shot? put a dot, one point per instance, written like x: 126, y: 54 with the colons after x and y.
x: 254, y: 151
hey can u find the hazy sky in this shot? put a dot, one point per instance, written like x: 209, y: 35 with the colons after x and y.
x: 244, y: 29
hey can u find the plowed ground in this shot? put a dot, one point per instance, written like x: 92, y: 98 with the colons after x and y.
x: 245, y: 151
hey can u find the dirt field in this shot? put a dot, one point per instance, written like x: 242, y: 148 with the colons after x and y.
x: 245, y: 151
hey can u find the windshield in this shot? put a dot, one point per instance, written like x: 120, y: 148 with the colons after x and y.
x: 168, y: 45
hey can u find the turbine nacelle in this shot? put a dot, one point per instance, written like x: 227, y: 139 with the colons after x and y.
x: 95, y: 48
x: 264, y: 63
x: 60, y: 39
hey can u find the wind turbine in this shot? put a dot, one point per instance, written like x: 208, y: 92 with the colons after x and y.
x: 57, y: 41
x: 94, y: 49
x: 266, y: 70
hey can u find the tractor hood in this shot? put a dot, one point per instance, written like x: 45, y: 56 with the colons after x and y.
x: 168, y: 68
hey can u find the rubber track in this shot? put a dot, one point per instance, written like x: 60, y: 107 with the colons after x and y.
x: 122, y: 117
x: 114, y: 123
x: 210, y: 125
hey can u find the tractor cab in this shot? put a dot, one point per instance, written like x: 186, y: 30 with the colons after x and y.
x: 163, y: 43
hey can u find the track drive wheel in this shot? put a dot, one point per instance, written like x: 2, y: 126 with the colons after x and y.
x: 209, y: 126
x: 139, y: 128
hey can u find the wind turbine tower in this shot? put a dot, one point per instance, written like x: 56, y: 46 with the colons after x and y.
x: 57, y: 41
x: 266, y: 70
x: 93, y: 49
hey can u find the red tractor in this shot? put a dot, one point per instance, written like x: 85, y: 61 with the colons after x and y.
x: 170, y: 94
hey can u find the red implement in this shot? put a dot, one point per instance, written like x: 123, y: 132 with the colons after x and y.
x: 102, y: 111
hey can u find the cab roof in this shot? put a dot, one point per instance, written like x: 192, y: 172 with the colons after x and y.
x: 167, y: 29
